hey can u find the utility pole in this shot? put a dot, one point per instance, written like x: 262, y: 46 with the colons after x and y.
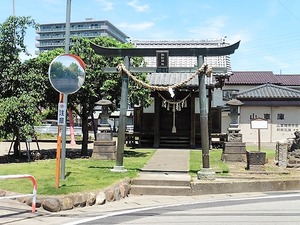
x: 14, y: 8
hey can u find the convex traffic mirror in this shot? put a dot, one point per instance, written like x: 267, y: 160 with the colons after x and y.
x: 66, y: 73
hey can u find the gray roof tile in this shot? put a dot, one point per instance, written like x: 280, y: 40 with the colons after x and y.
x: 269, y: 91
x: 186, y: 61
x: 167, y: 79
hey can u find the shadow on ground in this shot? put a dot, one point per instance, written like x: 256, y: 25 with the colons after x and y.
x: 41, y: 155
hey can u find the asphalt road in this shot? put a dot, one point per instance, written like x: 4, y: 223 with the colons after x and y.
x: 235, y: 209
x: 270, y: 208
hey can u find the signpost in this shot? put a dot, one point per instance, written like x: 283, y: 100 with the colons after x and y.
x: 66, y: 75
x: 259, y: 123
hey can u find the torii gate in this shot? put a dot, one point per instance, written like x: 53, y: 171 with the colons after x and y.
x: 162, y: 66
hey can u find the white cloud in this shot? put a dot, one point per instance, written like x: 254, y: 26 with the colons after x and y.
x: 212, y: 28
x: 107, y: 5
x: 136, y: 26
x: 138, y: 7
x: 276, y: 62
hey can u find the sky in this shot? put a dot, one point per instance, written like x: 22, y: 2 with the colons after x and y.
x: 269, y: 30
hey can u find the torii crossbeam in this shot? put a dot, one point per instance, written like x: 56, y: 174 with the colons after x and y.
x: 144, y: 52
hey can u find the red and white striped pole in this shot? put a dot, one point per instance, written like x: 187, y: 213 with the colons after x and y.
x: 34, y: 191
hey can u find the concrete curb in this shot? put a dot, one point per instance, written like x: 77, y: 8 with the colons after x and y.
x: 241, y: 186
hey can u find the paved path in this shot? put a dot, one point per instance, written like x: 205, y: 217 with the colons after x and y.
x: 168, y: 160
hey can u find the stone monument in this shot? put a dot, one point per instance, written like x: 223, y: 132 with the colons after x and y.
x: 234, y: 149
x: 288, y: 152
x: 104, y: 146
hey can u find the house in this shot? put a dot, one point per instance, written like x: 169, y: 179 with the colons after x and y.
x: 275, y: 98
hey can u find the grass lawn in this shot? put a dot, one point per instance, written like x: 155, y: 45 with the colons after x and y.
x: 81, y: 174
x: 216, y: 164
x: 88, y: 174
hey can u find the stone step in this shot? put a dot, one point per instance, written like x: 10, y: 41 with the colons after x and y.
x: 174, y: 141
x: 162, y: 183
x: 184, y: 183
x: 160, y: 190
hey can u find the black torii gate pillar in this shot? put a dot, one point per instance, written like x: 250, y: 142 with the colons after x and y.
x: 119, y: 167
x: 206, y: 172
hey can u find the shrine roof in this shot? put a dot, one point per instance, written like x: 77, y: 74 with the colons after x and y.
x: 186, y: 61
x: 168, y: 79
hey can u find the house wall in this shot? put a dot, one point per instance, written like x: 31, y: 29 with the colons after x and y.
x: 278, y: 129
x: 238, y: 87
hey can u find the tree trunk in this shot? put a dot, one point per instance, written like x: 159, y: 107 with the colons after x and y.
x: 85, y: 134
x: 17, y: 146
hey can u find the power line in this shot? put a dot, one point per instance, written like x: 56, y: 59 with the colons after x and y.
x: 290, y: 12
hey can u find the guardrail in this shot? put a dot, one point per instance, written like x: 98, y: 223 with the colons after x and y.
x: 34, y: 191
x: 53, y: 130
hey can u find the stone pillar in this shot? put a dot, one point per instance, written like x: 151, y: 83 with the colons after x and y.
x: 281, y: 153
x: 104, y: 147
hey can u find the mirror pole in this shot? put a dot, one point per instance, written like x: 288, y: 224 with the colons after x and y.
x: 63, y: 145
x: 65, y: 96
x: 67, y: 35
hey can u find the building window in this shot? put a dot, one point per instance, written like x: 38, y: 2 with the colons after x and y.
x: 267, y: 116
x: 280, y: 116
x: 227, y: 94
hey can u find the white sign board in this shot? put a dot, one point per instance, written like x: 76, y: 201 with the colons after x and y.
x: 259, y: 124
x: 61, y: 114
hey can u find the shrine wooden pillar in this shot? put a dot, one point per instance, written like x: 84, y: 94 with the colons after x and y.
x: 193, y: 124
x: 119, y: 167
x: 156, y: 130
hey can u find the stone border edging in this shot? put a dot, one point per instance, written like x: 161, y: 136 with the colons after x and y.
x: 76, y: 200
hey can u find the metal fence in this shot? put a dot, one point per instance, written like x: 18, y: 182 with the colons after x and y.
x: 34, y: 191
x: 53, y: 130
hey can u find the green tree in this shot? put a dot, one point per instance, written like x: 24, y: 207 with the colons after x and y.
x: 97, y: 84
x: 21, y: 89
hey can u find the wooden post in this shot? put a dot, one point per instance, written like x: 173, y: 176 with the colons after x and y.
x: 58, y: 150
x: 157, y: 106
x: 258, y: 140
x: 193, y: 125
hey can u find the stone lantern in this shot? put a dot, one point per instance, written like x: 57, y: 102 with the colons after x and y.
x: 234, y: 105
x: 104, y: 115
x: 104, y: 145
x: 234, y: 149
